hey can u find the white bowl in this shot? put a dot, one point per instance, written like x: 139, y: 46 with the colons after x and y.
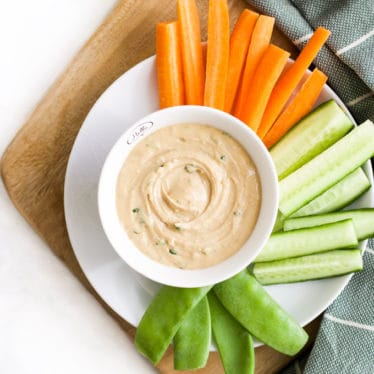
x: 117, y: 234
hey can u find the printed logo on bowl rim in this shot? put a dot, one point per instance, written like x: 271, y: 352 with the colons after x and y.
x: 139, y: 131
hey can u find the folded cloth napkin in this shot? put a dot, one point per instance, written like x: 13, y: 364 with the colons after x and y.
x: 345, y: 342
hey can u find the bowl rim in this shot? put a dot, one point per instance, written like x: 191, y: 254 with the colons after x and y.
x: 117, y: 235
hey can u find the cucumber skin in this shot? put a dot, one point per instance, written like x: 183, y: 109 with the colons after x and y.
x: 301, y: 242
x: 363, y: 221
x: 268, y: 273
x: 326, y: 169
x: 322, y: 127
x: 338, y: 196
x: 278, y: 225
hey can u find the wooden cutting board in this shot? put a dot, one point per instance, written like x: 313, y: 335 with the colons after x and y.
x: 33, y: 167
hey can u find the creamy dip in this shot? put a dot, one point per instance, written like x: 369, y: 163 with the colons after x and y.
x: 188, y: 196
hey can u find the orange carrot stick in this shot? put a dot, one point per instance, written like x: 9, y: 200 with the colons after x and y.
x: 217, y: 59
x: 299, y: 106
x: 259, y: 42
x: 204, y: 48
x: 268, y: 71
x: 192, y: 55
x: 291, y: 78
x: 169, y: 65
x: 239, y: 43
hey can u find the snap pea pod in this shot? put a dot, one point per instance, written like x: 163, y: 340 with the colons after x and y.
x: 163, y: 318
x: 234, y: 343
x: 192, y: 340
x: 244, y: 297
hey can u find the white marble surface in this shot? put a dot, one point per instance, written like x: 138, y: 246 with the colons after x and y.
x: 48, y: 322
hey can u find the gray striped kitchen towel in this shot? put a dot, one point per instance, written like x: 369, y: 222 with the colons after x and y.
x: 345, y: 342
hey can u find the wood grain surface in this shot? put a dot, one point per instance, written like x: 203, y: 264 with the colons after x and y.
x: 33, y: 167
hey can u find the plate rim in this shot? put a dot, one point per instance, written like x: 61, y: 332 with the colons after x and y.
x: 345, y: 278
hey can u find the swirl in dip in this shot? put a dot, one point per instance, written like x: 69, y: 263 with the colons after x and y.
x: 188, y: 196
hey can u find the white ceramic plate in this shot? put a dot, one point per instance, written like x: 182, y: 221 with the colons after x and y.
x: 128, y: 99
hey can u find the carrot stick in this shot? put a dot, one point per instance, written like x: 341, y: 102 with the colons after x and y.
x: 268, y: 71
x: 291, y: 78
x: 169, y: 65
x: 300, y: 105
x: 259, y: 42
x: 217, y: 59
x: 204, y: 48
x: 239, y: 43
x: 192, y: 55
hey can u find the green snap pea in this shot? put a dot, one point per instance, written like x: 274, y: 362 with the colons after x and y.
x: 260, y: 314
x: 234, y: 343
x: 192, y: 340
x: 163, y: 318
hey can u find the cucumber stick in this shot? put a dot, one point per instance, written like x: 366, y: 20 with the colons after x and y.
x: 317, y: 266
x: 309, y: 240
x: 278, y: 225
x: 312, y: 135
x: 326, y: 169
x: 363, y: 221
x: 338, y: 196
